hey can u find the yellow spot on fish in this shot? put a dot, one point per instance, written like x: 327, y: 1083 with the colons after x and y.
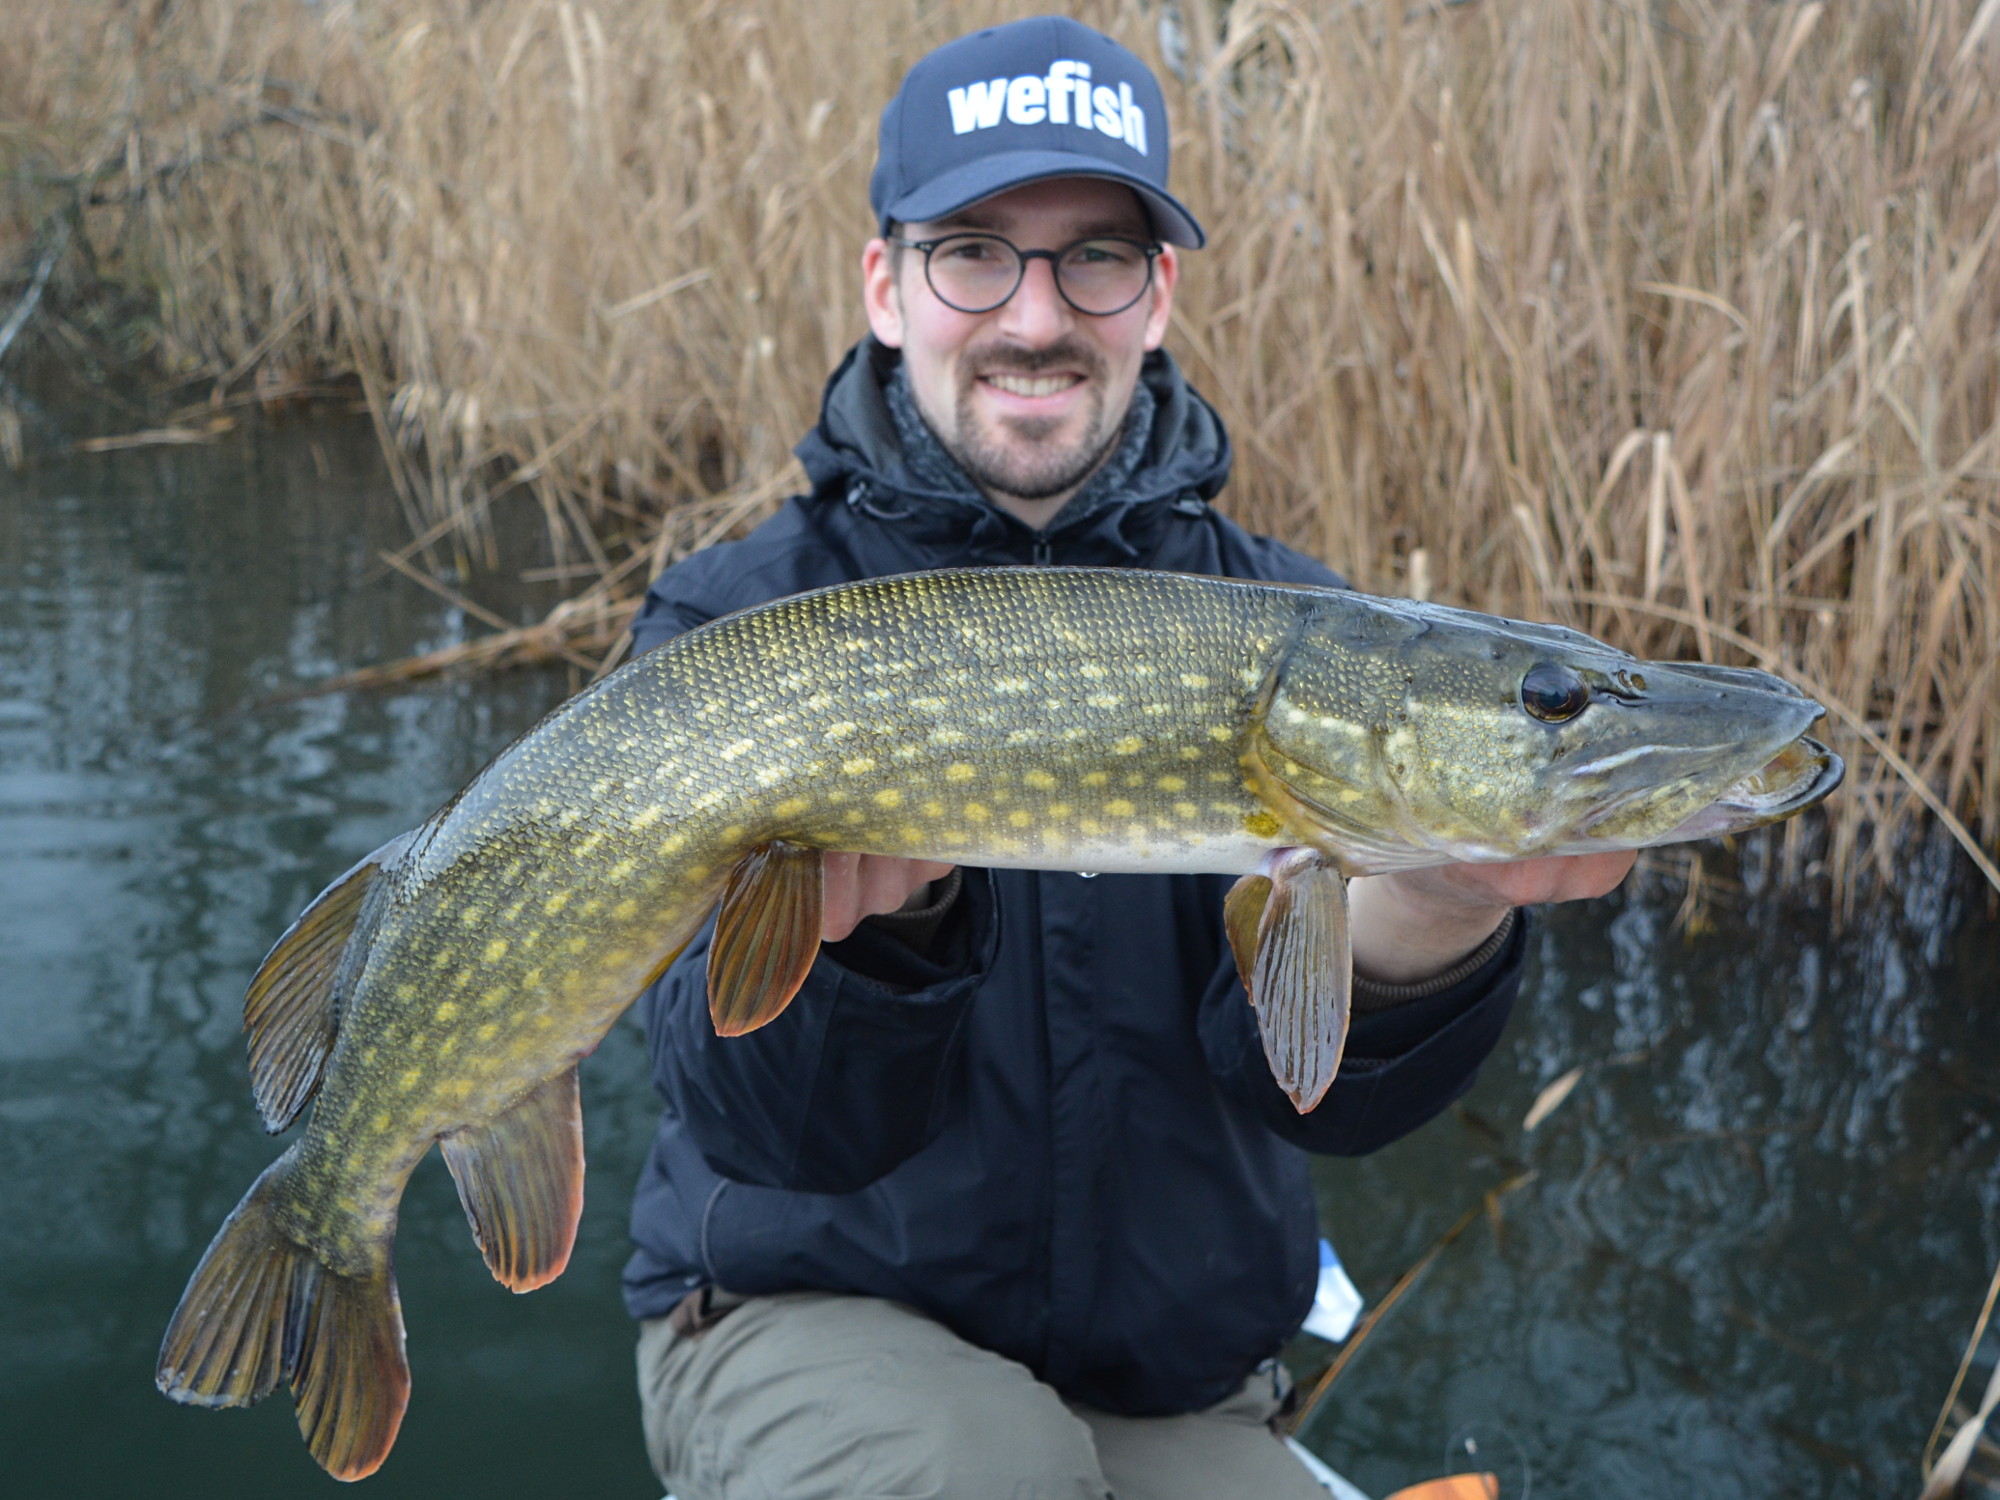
x: 1010, y: 685
x: 1021, y: 818
x: 1189, y: 752
x: 1131, y: 744
x: 625, y: 867
x: 1261, y: 825
x: 577, y: 944
x: 556, y: 903
x: 1193, y: 680
x: 409, y: 1078
x: 741, y: 747
x: 447, y: 1011
x: 933, y: 809
x: 1118, y: 807
x: 1104, y: 700
x: 1091, y: 826
x: 448, y: 1046
x: 1058, y: 809
x: 487, y: 1032
x: 856, y: 816
x: 841, y: 729
x: 858, y: 765
x: 646, y: 817
x: 1222, y: 734
x: 381, y: 1123
x: 1095, y: 778
x: 472, y: 916
x: 1041, y: 781
x: 1185, y: 809
x: 1091, y: 669
x: 671, y: 845
x: 406, y: 992
x: 947, y: 737
x: 1171, y: 784
x: 976, y: 812
x: 889, y: 797
x: 958, y: 770
x: 1348, y: 794
x: 588, y: 844
x: 625, y: 910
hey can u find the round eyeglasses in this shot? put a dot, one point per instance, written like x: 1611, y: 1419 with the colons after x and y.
x: 975, y: 273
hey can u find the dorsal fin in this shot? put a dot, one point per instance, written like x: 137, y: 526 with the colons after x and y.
x: 520, y: 1177
x: 291, y: 1010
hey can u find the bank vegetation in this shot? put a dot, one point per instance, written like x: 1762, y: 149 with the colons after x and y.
x: 1676, y: 320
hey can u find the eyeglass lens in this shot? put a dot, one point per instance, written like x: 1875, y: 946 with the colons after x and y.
x: 975, y: 273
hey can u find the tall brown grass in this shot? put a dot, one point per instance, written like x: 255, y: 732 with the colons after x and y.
x: 1679, y: 321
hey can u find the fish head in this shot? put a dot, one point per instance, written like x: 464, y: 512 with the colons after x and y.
x: 1397, y: 734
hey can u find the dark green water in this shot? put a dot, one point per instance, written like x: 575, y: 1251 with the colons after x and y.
x: 1759, y: 1232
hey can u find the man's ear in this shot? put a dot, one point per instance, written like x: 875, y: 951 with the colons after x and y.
x: 880, y: 294
x: 1166, y: 271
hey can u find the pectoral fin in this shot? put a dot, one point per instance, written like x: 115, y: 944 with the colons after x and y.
x: 520, y: 1177
x: 766, y: 935
x: 291, y: 1010
x: 1288, y: 930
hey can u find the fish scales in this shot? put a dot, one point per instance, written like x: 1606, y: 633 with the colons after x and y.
x: 1038, y: 718
x: 987, y: 718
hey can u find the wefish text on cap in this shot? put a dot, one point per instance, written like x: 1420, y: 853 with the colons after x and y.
x: 1062, y: 96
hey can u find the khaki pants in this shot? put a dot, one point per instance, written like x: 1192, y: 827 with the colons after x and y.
x: 813, y: 1396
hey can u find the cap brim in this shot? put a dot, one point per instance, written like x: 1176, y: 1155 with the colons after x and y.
x: 977, y: 180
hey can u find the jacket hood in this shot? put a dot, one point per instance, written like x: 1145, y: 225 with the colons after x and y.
x: 854, y: 457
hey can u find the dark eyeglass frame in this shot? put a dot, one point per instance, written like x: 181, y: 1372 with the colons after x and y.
x: 1150, y: 249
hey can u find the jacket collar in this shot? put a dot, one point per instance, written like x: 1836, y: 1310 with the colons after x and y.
x: 853, y: 457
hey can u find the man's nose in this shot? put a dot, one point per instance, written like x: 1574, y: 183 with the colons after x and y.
x: 1036, y: 314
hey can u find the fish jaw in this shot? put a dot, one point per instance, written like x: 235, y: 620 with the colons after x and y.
x: 1799, y: 776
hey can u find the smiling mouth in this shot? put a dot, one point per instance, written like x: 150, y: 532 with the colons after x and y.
x: 1032, y: 385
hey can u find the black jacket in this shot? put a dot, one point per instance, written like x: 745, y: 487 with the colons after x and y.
x: 1054, y: 1131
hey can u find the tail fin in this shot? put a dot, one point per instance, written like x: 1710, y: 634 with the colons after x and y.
x: 260, y: 1307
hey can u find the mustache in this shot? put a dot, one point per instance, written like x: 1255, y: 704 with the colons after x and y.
x: 1011, y: 359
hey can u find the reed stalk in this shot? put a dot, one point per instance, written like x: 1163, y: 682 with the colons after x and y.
x: 1677, y: 322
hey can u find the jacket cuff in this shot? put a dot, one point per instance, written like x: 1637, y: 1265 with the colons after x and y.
x: 877, y: 953
x: 1370, y: 994
x: 918, y: 929
x: 1378, y: 1037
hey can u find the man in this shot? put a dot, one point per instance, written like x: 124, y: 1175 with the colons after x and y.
x: 1007, y: 1203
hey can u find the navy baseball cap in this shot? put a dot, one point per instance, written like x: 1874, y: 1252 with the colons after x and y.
x: 1046, y: 97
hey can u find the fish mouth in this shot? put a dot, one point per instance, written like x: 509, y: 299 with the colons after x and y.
x: 1801, y: 774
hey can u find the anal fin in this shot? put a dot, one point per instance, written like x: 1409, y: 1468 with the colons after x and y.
x: 1288, y: 929
x: 520, y: 1177
x: 291, y: 1010
x: 766, y: 935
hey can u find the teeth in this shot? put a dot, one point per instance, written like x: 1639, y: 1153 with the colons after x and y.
x: 1032, y: 385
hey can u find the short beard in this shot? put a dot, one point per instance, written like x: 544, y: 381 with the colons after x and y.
x: 1033, y: 469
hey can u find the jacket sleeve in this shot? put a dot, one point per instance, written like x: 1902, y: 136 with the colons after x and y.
x: 850, y: 1080
x: 1403, y: 1064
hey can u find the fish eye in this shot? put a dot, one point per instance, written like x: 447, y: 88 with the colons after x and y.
x: 1553, y: 694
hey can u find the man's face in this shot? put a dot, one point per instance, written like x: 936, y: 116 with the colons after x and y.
x: 1031, y: 397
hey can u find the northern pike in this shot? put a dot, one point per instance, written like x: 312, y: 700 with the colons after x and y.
x: 444, y: 990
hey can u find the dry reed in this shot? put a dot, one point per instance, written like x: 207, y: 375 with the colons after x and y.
x: 1679, y: 322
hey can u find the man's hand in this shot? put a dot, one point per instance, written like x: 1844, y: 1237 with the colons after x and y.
x: 1411, y: 924
x: 869, y: 885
